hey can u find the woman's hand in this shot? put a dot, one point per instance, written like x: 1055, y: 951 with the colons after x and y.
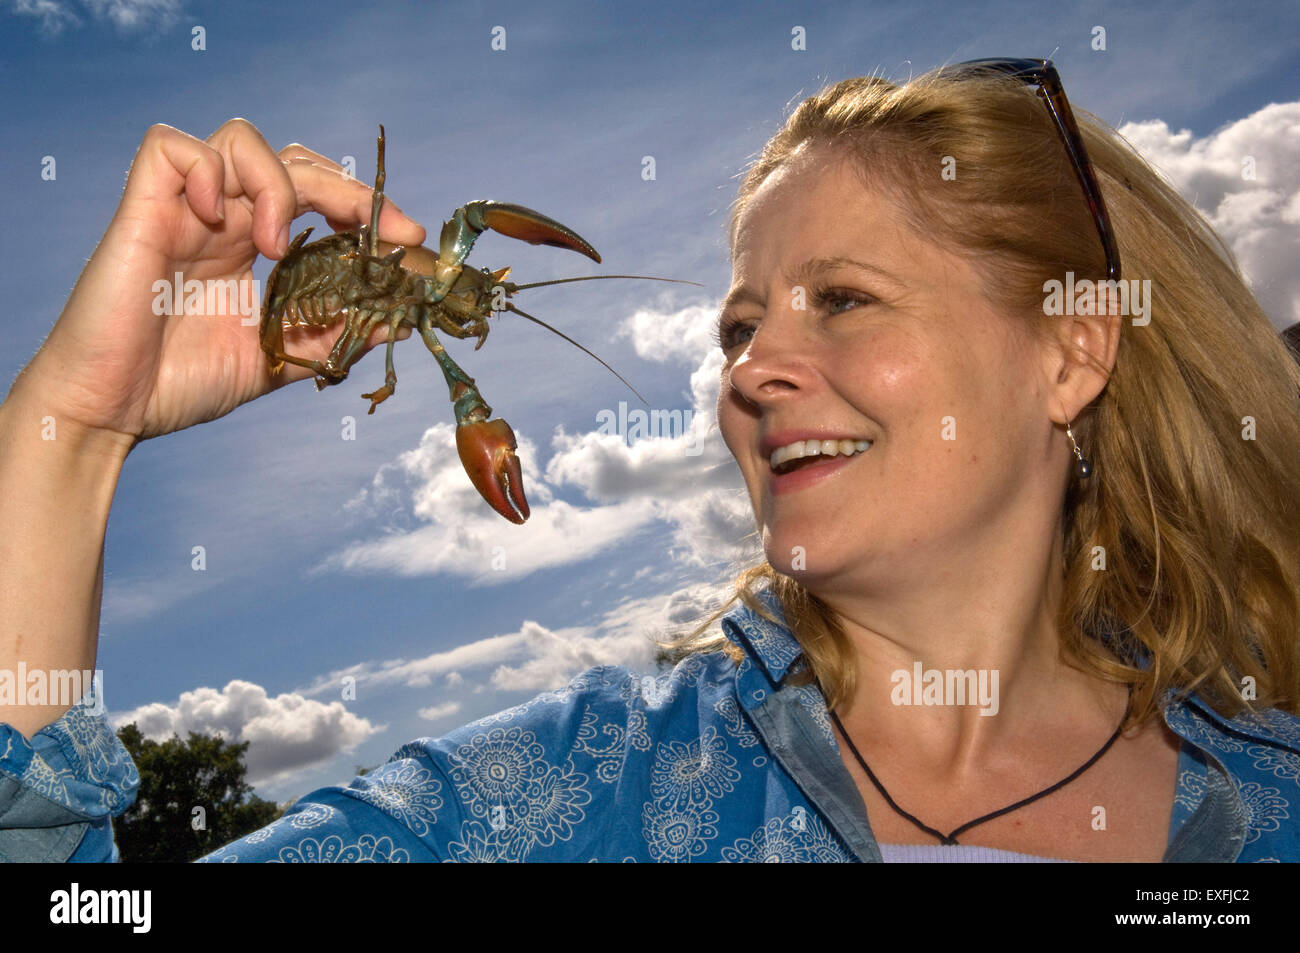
x: 205, y: 210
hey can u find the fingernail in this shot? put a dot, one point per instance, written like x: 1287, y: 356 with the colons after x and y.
x: 221, y: 208
x: 282, y: 243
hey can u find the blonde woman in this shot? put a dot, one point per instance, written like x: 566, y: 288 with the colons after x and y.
x: 1030, y: 587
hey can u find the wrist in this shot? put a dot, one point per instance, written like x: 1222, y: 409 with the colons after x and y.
x: 38, y: 432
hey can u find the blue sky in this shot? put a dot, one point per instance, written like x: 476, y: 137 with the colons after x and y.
x: 373, y: 558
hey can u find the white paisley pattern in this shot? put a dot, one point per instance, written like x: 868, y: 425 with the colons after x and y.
x: 1190, y: 790
x: 404, y: 790
x: 367, y: 849
x: 312, y: 816
x: 734, y: 723
x: 609, y: 755
x: 482, y: 845
x: 504, y: 777
x: 100, y: 755
x: 679, y: 835
x: 260, y: 835
x: 1281, y: 764
x: 788, y: 840
x: 1267, y: 807
x: 693, y: 773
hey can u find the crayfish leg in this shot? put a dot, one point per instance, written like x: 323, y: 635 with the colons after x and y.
x: 390, y: 377
x: 377, y: 200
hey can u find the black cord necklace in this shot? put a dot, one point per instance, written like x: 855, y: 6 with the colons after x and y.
x: 951, y: 838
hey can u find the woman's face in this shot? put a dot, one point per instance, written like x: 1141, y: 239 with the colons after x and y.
x: 843, y: 324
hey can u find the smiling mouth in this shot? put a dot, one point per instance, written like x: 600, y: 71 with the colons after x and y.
x: 801, y: 454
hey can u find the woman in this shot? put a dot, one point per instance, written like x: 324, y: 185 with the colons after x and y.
x: 1031, y: 590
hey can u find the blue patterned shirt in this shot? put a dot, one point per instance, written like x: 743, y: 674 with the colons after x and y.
x: 713, y: 761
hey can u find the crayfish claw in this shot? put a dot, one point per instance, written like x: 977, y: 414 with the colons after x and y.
x: 377, y: 397
x: 516, y: 221
x: 487, y: 451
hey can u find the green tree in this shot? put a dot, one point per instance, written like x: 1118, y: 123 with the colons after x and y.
x: 176, y: 777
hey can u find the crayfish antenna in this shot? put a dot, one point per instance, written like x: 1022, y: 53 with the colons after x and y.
x: 510, y: 307
x: 565, y: 281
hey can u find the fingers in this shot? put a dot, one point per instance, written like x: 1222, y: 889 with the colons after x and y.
x: 237, y: 163
x: 254, y: 170
x: 171, y: 163
x: 344, y: 201
x: 297, y: 151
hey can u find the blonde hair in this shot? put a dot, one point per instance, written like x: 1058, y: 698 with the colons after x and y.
x: 1200, y: 527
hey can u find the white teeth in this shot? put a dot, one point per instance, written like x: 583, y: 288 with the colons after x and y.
x: 810, y: 448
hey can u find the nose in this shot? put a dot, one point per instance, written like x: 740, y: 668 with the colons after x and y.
x: 778, y: 363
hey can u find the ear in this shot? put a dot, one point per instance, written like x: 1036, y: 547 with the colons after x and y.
x: 1079, y: 365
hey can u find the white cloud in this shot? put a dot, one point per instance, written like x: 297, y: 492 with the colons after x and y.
x: 1259, y: 218
x: 685, y: 336
x: 717, y: 526
x: 127, y: 15
x: 435, y: 712
x: 131, y: 600
x: 286, y: 733
x: 608, y: 467
x: 135, y: 14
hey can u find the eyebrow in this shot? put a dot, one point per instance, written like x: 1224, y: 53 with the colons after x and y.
x: 807, y: 270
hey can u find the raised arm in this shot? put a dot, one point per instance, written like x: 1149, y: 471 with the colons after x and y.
x: 113, y: 372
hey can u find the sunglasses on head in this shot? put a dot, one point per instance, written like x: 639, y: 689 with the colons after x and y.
x: 1042, y: 73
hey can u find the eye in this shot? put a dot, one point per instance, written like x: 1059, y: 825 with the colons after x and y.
x: 729, y: 333
x: 839, y: 300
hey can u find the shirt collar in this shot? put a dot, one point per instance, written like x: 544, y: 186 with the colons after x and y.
x: 773, y: 647
x: 1193, y: 717
x: 770, y: 645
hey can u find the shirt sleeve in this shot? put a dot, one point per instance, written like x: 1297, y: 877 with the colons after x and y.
x: 528, y: 783
x: 60, y: 789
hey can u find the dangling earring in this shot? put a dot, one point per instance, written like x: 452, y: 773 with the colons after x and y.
x: 1084, y: 466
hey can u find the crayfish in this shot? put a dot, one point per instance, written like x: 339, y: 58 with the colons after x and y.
x: 368, y: 284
